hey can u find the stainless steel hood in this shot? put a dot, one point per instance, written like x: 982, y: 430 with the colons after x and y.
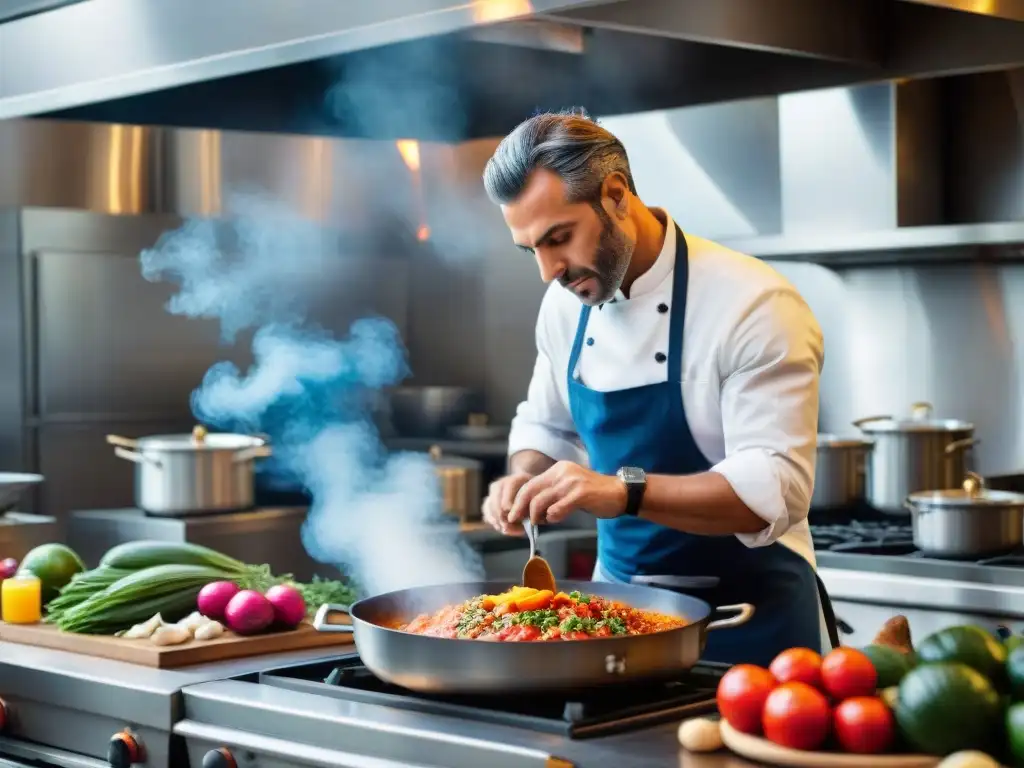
x: 423, y: 69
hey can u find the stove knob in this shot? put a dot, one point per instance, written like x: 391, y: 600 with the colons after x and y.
x: 5, y: 715
x: 219, y: 758
x: 124, y: 750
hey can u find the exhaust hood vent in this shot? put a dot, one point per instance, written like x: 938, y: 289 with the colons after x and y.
x: 451, y: 70
x: 913, y: 171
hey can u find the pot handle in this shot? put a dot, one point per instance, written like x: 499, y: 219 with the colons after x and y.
x: 743, y: 610
x: 124, y: 442
x: 858, y: 423
x: 138, y: 458
x: 320, y: 623
x: 256, y: 452
x: 961, y: 445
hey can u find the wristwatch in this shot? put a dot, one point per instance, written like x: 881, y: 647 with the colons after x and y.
x: 635, y: 480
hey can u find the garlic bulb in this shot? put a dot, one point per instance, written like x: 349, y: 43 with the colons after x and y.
x: 700, y: 735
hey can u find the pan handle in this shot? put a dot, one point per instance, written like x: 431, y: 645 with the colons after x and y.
x: 124, y: 442
x: 677, y: 583
x: 256, y: 452
x: 743, y: 610
x: 138, y: 458
x: 320, y: 620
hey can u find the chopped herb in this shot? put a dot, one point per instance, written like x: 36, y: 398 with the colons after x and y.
x: 471, y: 618
x: 579, y: 597
x: 544, y: 619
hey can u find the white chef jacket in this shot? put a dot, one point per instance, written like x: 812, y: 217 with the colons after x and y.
x: 752, y: 356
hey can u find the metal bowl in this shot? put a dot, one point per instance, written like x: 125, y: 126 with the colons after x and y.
x: 430, y: 411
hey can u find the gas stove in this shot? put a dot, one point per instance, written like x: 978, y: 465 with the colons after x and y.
x: 886, y: 536
x: 575, y: 715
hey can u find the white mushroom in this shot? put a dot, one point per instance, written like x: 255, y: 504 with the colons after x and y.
x: 171, y: 634
x: 700, y: 735
x: 146, y: 629
x: 209, y: 630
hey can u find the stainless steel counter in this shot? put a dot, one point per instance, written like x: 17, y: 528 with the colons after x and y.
x: 73, y: 704
x: 76, y: 703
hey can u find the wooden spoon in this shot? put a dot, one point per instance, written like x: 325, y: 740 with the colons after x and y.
x: 537, y: 573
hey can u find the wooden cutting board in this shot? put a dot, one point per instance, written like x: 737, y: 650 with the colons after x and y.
x: 764, y: 751
x: 227, y: 646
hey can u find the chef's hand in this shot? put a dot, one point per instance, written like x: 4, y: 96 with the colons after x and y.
x: 551, y: 496
x: 500, y: 495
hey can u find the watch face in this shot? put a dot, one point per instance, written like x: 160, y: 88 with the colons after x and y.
x: 631, y: 475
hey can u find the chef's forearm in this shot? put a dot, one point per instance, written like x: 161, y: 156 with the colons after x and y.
x: 703, y: 504
x: 530, y: 462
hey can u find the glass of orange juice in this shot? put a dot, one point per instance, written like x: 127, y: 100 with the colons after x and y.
x: 21, y: 599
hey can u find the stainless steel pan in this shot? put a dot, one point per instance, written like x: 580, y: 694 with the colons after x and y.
x: 440, y: 665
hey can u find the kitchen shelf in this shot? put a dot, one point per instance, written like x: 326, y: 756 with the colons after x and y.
x: 1002, y: 241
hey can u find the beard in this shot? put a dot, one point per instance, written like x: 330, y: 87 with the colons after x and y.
x: 611, y: 260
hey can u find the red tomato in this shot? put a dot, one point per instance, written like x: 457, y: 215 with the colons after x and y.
x: 864, y: 725
x: 846, y: 672
x: 741, y: 695
x: 799, y: 665
x: 796, y: 716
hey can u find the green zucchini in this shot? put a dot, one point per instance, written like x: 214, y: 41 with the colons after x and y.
x: 135, y: 555
x: 944, y: 708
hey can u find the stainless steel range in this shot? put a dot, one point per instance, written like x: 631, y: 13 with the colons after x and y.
x: 574, y: 715
x: 310, y: 709
x: 873, y: 571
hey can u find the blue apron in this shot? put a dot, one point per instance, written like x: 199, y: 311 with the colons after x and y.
x: 646, y: 427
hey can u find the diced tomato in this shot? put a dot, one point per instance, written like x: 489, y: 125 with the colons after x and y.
x: 604, y: 631
x: 504, y: 608
x: 529, y: 633
x: 577, y: 635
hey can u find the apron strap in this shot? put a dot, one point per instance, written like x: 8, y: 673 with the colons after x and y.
x: 826, y: 609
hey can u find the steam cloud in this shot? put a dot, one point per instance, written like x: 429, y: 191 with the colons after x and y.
x: 372, y: 512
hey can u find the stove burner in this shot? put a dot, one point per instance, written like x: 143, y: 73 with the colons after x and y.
x: 575, y: 715
x: 884, y: 536
x: 856, y: 533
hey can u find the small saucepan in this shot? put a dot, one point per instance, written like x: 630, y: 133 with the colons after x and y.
x: 967, y: 522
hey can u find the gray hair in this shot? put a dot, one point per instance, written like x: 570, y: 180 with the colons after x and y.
x: 569, y: 144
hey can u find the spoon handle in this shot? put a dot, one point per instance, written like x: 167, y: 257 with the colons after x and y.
x: 531, y: 534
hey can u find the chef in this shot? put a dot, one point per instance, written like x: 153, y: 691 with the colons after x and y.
x: 674, y: 395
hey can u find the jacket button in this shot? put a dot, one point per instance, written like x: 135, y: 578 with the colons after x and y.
x: 663, y: 308
x: 590, y: 341
x: 660, y: 357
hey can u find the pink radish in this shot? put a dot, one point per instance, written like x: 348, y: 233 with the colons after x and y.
x: 289, y: 607
x: 249, y: 612
x: 214, y: 598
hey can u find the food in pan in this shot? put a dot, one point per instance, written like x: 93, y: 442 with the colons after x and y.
x: 523, y: 614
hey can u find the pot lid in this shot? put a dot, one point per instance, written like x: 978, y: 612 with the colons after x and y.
x: 835, y: 441
x: 973, y: 493
x: 920, y: 420
x: 200, y: 440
